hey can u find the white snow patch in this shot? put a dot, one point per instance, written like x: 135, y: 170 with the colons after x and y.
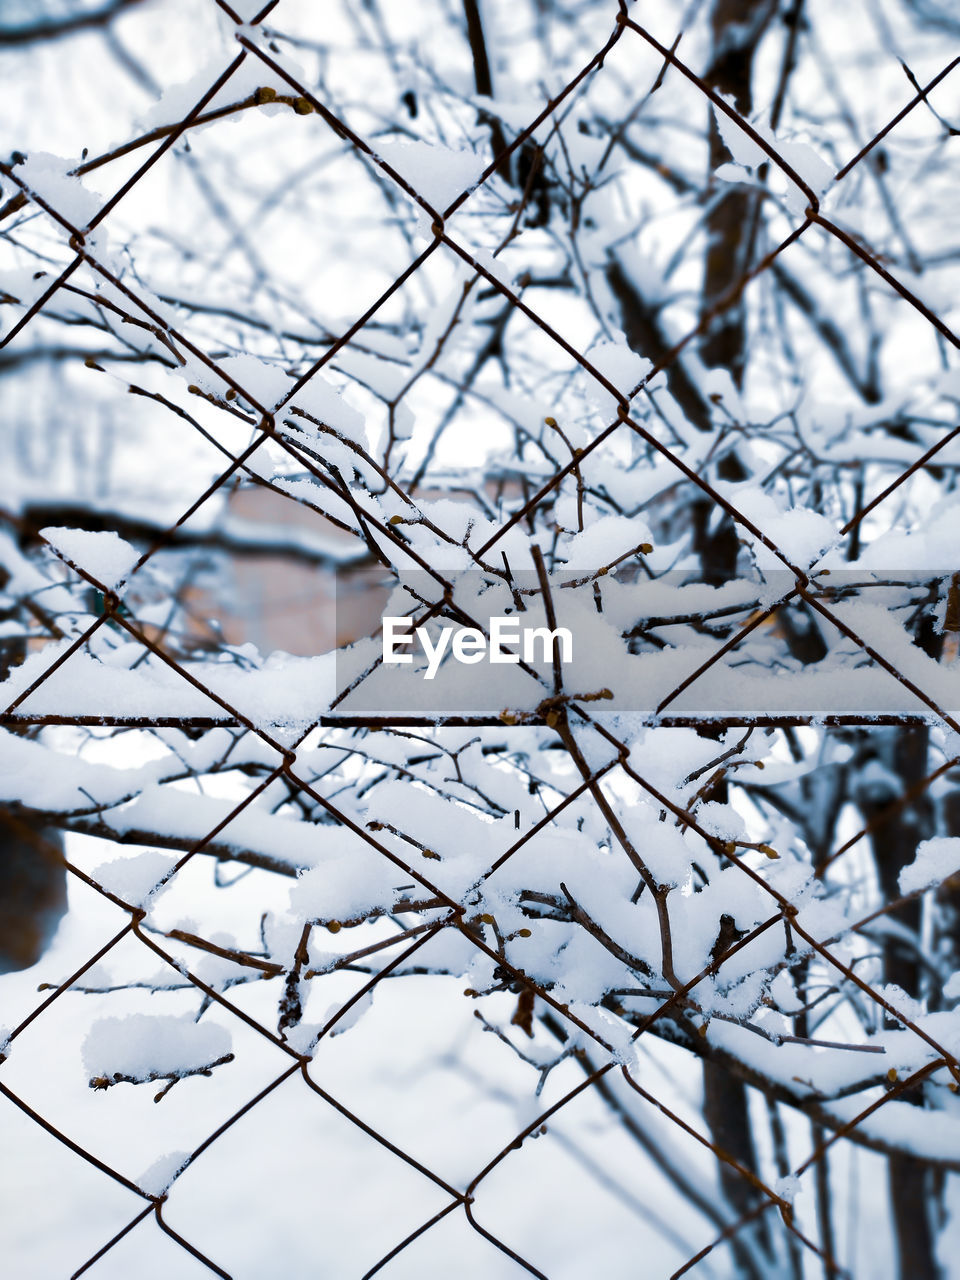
x: 105, y: 556
x: 351, y: 880
x: 322, y: 400
x: 147, y: 1046
x: 606, y: 540
x: 810, y: 167
x: 303, y: 1037
x: 801, y: 533
x: 898, y: 998
x: 351, y: 1017
x: 788, y: 1188
x: 436, y: 173
x: 50, y: 178
x: 134, y: 879
x: 935, y: 861
x: 621, y: 367
x: 261, y: 382
x: 156, y: 1180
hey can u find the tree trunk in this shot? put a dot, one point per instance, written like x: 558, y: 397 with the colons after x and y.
x: 894, y: 840
x: 737, y: 26
x: 33, y: 878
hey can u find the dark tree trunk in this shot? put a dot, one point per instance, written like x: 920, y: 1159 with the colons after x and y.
x: 33, y: 877
x: 737, y: 26
x: 727, y: 1116
x: 33, y: 890
x: 896, y: 833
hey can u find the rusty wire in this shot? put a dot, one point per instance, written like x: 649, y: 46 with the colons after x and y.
x: 783, y: 912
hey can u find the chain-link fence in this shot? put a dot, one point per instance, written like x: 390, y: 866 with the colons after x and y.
x: 277, y: 758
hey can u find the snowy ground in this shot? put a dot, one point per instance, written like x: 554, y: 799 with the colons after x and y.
x: 294, y: 1188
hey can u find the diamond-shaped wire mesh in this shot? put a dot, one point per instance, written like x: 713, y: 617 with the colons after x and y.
x: 210, y: 719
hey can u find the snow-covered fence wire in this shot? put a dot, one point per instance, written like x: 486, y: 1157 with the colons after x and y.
x: 690, y: 868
